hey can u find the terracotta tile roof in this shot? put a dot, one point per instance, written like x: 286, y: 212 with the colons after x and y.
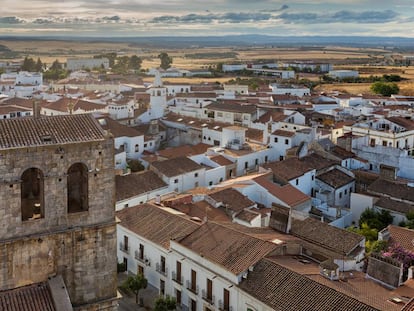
x: 276, y: 116
x: 27, y: 298
x: 5, y: 109
x: 287, y: 193
x: 402, y: 236
x: 283, y: 133
x: 201, y: 210
x: 314, y: 231
x: 137, y: 183
x: 392, y: 189
x: 220, y: 160
x: 247, y: 215
x: 335, y: 178
x: 78, y: 104
x: 183, y: 151
x: 265, y: 233
x: 232, y: 199
x: 341, y: 153
x: 233, y: 250
x: 285, y: 290
x: 20, y: 102
x: 43, y: 131
x: 288, y: 169
x: 234, y: 107
x: 406, y: 123
x: 117, y: 129
x: 155, y: 224
x: 409, y: 306
x: 393, y: 205
x: 176, y: 166
x: 254, y: 134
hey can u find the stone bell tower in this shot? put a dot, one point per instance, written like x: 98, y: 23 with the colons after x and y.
x: 57, y: 207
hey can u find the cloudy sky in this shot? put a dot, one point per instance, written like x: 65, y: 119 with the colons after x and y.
x: 207, y: 17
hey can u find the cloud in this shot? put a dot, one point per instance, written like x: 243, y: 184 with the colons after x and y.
x: 10, y: 20
x: 344, y: 16
x: 282, y: 8
x: 210, y: 18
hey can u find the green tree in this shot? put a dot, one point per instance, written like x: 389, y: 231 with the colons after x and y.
x: 38, y: 65
x: 28, y: 64
x: 110, y: 56
x: 135, y: 62
x: 56, y: 66
x: 135, y: 284
x: 385, y: 88
x: 165, y: 303
x: 166, y: 60
x: 374, y: 219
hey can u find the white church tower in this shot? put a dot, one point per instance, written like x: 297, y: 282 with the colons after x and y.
x: 158, y: 98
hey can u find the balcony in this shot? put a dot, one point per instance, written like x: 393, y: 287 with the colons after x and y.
x: 141, y: 258
x: 161, y: 269
x: 223, y: 307
x: 124, y: 248
x: 208, y: 297
x: 192, y: 287
x: 177, y: 278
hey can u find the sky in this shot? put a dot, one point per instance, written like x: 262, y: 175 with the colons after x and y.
x: 119, y: 18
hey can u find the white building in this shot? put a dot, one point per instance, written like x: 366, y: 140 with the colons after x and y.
x: 342, y: 74
x: 293, y: 90
x: 86, y: 63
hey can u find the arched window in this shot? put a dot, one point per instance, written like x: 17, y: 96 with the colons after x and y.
x: 77, y: 188
x: 32, y: 194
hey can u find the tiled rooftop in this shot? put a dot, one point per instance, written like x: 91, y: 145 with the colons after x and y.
x: 43, y: 131
x: 393, y: 205
x: 35, y: 297
x: 232, y: 199
x: 284, y: 290
x: 229, y: 248
x: 289, y: 169
x: 140, y: 219
x: 137, y: 183
x: 393, y: 189
x: 335, y: 178
x: 314, y: 231
x: 176, y: 166
x: 402, y: 236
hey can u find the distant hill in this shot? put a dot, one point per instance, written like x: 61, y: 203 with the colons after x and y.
x: 241, y: 40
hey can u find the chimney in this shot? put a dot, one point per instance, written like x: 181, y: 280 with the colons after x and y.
x: 36, y: 109
x: 410, y: 273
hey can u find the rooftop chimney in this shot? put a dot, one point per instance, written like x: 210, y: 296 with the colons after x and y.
x: 36, y: 109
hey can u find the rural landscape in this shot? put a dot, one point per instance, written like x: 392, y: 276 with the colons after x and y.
x: 194, y: 156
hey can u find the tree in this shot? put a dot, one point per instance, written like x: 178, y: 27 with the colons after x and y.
x: 374, y: 219
x: 165, y: 303
x: 39, y: 65
x: 166, y: 60
x: 135, y: 62
x: 56, y: 66
x: 28, y: 64
x: 385, y: 88
x: 135, y: 284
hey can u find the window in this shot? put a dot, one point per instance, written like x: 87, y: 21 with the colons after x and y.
x: 196, y: 175
x: 141, y: 251
x: 256, y: 161
x: 175, y: 181
x: 77, y: 188
x: 219, y: 114
x: 286, y: 141
x: 226, y: 300
x: 384, y: 143
x: 266, y: 159
x: 210, y: 183
x: 346, y: 191
x: 209, y: 291
x: 196, y: 184
x: 145, y: 145
x: 32, y: 194
x: 193, y: 285
x: 313, y: 177
x: 340, y: 195
x: 136, y: 148
x: 297, y: 181
x: 276, y: 139
x: 178, y: 271
x: 246, y: 165
x: 162, y: 287
x: 162, y: 264
x: 193, y: 305
x: 178, y: 297
x: 140, y: 270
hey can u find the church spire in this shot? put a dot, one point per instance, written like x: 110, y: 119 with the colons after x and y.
x: 157, y: 80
